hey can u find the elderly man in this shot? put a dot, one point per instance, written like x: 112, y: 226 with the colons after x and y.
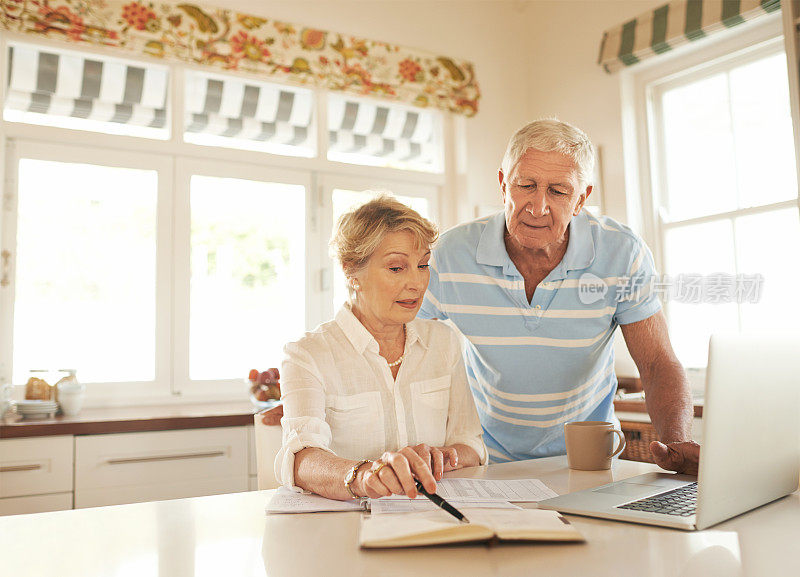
x: 538, y: 290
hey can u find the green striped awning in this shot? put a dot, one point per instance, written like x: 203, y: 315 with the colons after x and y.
x: 672, y: 25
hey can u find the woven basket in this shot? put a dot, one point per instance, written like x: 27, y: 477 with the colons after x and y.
x: 638, y: 437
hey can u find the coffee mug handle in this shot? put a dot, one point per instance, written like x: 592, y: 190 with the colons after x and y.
x: 621, y: 442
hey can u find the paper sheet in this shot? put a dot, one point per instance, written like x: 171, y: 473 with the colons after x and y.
x: 286, y: 501
x: 519, y: 490
x: 380, y: 506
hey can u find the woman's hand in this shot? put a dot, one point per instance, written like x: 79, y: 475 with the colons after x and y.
x: 440, y: 460
x: 396, y: 473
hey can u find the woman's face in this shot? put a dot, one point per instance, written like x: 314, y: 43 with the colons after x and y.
x: 393, y: 283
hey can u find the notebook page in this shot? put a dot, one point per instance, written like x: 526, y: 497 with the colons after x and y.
x: 526, y: 524
x: 422, y: 528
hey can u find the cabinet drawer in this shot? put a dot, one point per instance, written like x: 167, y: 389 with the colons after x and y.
x: 35, y: 466
x: 35, y: 504
x: 159, y: 458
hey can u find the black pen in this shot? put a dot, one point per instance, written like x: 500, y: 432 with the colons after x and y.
x: 439, y: 502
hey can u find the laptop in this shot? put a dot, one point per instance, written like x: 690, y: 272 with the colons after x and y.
x: 750, y: 452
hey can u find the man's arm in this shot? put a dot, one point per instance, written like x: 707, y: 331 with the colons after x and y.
x: 667, y: 393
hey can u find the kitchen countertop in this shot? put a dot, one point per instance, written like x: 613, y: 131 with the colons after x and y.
x: 231, y: 535
x: 96, y: 421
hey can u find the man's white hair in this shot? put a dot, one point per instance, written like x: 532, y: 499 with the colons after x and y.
x: 552, y: 135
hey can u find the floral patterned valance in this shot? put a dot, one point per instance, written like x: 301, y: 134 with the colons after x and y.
x: 231, y: 41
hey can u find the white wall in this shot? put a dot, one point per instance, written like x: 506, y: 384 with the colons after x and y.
x: 491, y: 34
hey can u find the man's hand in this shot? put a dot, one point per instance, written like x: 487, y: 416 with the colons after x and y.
x: 272, y: 416
x: 683, y: 457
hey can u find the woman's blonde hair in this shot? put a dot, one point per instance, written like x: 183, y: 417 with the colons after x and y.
x: 359, y: 232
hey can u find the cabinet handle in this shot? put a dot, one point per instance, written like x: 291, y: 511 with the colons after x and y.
x: 166, y: 458
x: 13, y: 468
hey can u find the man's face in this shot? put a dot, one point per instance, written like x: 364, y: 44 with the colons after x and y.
x: 541, y: 195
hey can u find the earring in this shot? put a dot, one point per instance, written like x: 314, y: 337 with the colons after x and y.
x: 355, y: 285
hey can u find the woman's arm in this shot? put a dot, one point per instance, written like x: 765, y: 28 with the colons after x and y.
x: 305, y: 460
x: 322, y: 473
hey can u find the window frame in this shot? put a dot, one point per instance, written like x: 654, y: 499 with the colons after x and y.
x: 108, y: 393
x: 175, y: 157
x: 185, y: 168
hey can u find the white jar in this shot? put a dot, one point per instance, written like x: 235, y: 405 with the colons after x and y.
x: 70, y: 396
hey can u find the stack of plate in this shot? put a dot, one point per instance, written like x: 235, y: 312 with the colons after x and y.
x: 36, y: 409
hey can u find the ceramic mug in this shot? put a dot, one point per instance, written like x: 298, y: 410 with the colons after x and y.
x: 590, y: 445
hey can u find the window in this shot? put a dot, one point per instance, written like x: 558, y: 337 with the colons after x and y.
x: 725, y: 192
x: 163, y: 262
x: 228, y: 111
x: 86, y: 92
x: 97, y: 314
x: 247, y: 274
x: 89, y: 232
x: 361, y: 131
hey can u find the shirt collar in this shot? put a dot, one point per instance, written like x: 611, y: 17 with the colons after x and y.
x: 491, y: 246
x: 362, y: 339
x: 580, y: 249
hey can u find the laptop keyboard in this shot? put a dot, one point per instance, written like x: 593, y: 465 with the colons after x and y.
x: 681, y: 502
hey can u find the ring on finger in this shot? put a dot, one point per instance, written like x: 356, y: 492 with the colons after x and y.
x: 380, y: 465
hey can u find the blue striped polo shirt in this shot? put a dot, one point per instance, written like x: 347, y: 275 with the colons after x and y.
x: 533, y: 366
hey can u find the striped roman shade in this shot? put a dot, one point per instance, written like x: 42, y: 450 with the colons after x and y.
x: 384, y: 134
x: 247, y: 110
x: 83, y: 86
x: 672, y: 25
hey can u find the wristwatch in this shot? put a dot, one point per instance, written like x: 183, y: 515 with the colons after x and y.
x: 351, y: 476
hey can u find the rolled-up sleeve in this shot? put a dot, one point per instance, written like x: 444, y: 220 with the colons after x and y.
x: 463, y: 423
x: 303, y: 421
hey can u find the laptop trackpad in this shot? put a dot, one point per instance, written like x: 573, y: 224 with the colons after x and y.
x: 630, y: 489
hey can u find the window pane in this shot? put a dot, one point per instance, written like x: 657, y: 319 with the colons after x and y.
x: 86, y: 92
x: 698, y: 149
x: 86, y: 271
x: 376, y: 133
x: 778, y: 307
x: 763, y: 131
x: 231, y: 112
x: 346, y: 200
x: 702, y: 249
x: 248, y: 274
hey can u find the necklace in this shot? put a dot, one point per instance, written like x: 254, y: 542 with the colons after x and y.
x: 400, y: 360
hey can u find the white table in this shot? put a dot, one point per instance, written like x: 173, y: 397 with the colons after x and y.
x: 229, y: 535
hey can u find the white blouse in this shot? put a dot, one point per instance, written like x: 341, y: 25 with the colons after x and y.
x: 339, y: 395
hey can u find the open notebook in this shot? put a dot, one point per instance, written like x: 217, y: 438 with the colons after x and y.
x: 438, y: 528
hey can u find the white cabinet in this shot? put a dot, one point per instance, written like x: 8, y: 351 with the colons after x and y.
x: 134, y: 467
x: 35, y: 474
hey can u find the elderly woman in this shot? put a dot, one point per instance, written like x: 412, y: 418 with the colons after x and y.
x: 375, y: 398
